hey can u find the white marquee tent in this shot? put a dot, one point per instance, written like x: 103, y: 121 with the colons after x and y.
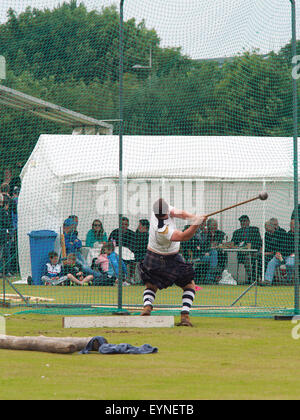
x: 68, y: 174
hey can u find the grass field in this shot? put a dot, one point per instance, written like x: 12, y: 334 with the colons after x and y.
x: 217, y: 359
x: 209, y: 295
x: 220, y: 358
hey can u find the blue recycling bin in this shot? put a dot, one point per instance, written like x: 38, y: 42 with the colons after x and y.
x: 41, y: 243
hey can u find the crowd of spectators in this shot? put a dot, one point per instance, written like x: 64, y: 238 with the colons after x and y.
x: 275, y: 256
x: 206, y: 251
x: 9, y: 192
x: 104, y: 269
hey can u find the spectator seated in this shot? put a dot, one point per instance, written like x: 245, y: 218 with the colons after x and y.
x: 247, y: 236
x: 53, y: 272
x: 108, y: 264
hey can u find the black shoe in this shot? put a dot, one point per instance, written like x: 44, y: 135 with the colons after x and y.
x: 29, y: 280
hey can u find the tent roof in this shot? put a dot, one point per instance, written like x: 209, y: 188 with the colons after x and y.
x: 80, y: 158
x: 47, y: 110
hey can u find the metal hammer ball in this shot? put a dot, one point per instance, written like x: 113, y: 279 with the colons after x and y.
x: 263, y: 195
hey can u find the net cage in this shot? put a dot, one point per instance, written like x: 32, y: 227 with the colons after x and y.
x: 107, y: 106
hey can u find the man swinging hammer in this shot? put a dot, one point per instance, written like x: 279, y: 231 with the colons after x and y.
x: 163, y: 266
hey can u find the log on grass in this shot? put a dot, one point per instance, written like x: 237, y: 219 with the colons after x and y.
x: 61, y: 345
x: 32, y: 299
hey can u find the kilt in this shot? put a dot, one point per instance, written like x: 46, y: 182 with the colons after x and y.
x: 165, y: 270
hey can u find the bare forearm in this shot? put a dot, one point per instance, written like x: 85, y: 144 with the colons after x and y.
x: 189, y: 233
x: 182, y: 214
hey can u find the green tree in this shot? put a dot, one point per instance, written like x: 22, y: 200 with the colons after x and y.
x: 253, y: 96
x: 70, y: 56
x: 70, y: 42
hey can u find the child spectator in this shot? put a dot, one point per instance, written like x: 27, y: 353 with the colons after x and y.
x: 101, y: 265
x: 53, y: 274
x: 102, y: 261
x: 74, y: 272
x: 109, y: 262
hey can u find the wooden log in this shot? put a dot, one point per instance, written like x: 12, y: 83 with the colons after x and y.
x: 61, y: 345
x: 31, y: 299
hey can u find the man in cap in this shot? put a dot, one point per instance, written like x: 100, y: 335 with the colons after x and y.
x: 73, y: 244
x: 247, y: 236
x: 163, y: 266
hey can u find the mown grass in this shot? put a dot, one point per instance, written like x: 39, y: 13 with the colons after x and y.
x: 217, y: 359
x: 209, y: 295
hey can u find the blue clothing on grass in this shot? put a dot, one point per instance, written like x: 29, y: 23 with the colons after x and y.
x: 124, y: 348
x: 89, y: 347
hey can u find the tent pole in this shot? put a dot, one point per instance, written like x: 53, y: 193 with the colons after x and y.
x: 221, y: 205
x: 263, y: 250
x: 72, y: 199
x: 263, y: 235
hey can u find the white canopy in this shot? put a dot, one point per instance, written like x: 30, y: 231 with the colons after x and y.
x: 67, y: 174
x: 80, y: 158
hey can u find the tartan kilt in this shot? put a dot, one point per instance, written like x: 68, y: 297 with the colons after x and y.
x: 165, y: 270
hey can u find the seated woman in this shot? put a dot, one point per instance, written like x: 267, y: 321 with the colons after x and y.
x: 96, y: 234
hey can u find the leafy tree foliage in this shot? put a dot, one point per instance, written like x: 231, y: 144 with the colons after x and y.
x: 70, y: 56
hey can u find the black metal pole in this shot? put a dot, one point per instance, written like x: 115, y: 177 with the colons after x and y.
x: 295, y: 147
x: 121, y: 69
x: 3, y: 280
x: 3, y: 76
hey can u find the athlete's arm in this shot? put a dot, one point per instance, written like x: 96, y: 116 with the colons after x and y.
x: 179, y: 236
x: 181, y: 214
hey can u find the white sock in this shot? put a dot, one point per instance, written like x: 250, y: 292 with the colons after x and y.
x: 187, y: 300
x: 149, y: 297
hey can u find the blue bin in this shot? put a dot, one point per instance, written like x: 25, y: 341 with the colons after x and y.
x: 41, y: 243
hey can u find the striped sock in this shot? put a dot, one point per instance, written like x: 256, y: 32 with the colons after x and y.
x: 187, y: 300
x: 149, y: 297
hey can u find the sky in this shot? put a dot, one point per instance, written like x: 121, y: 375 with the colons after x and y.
x: 202, y: 28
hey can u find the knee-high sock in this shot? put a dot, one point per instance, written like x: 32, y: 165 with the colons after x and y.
x: 187, y: 300
x: 149, y: 297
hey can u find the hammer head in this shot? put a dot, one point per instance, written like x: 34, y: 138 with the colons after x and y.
x: 263, y: 195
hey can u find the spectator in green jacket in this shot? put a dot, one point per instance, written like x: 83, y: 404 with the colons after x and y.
x: 96, y: 234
